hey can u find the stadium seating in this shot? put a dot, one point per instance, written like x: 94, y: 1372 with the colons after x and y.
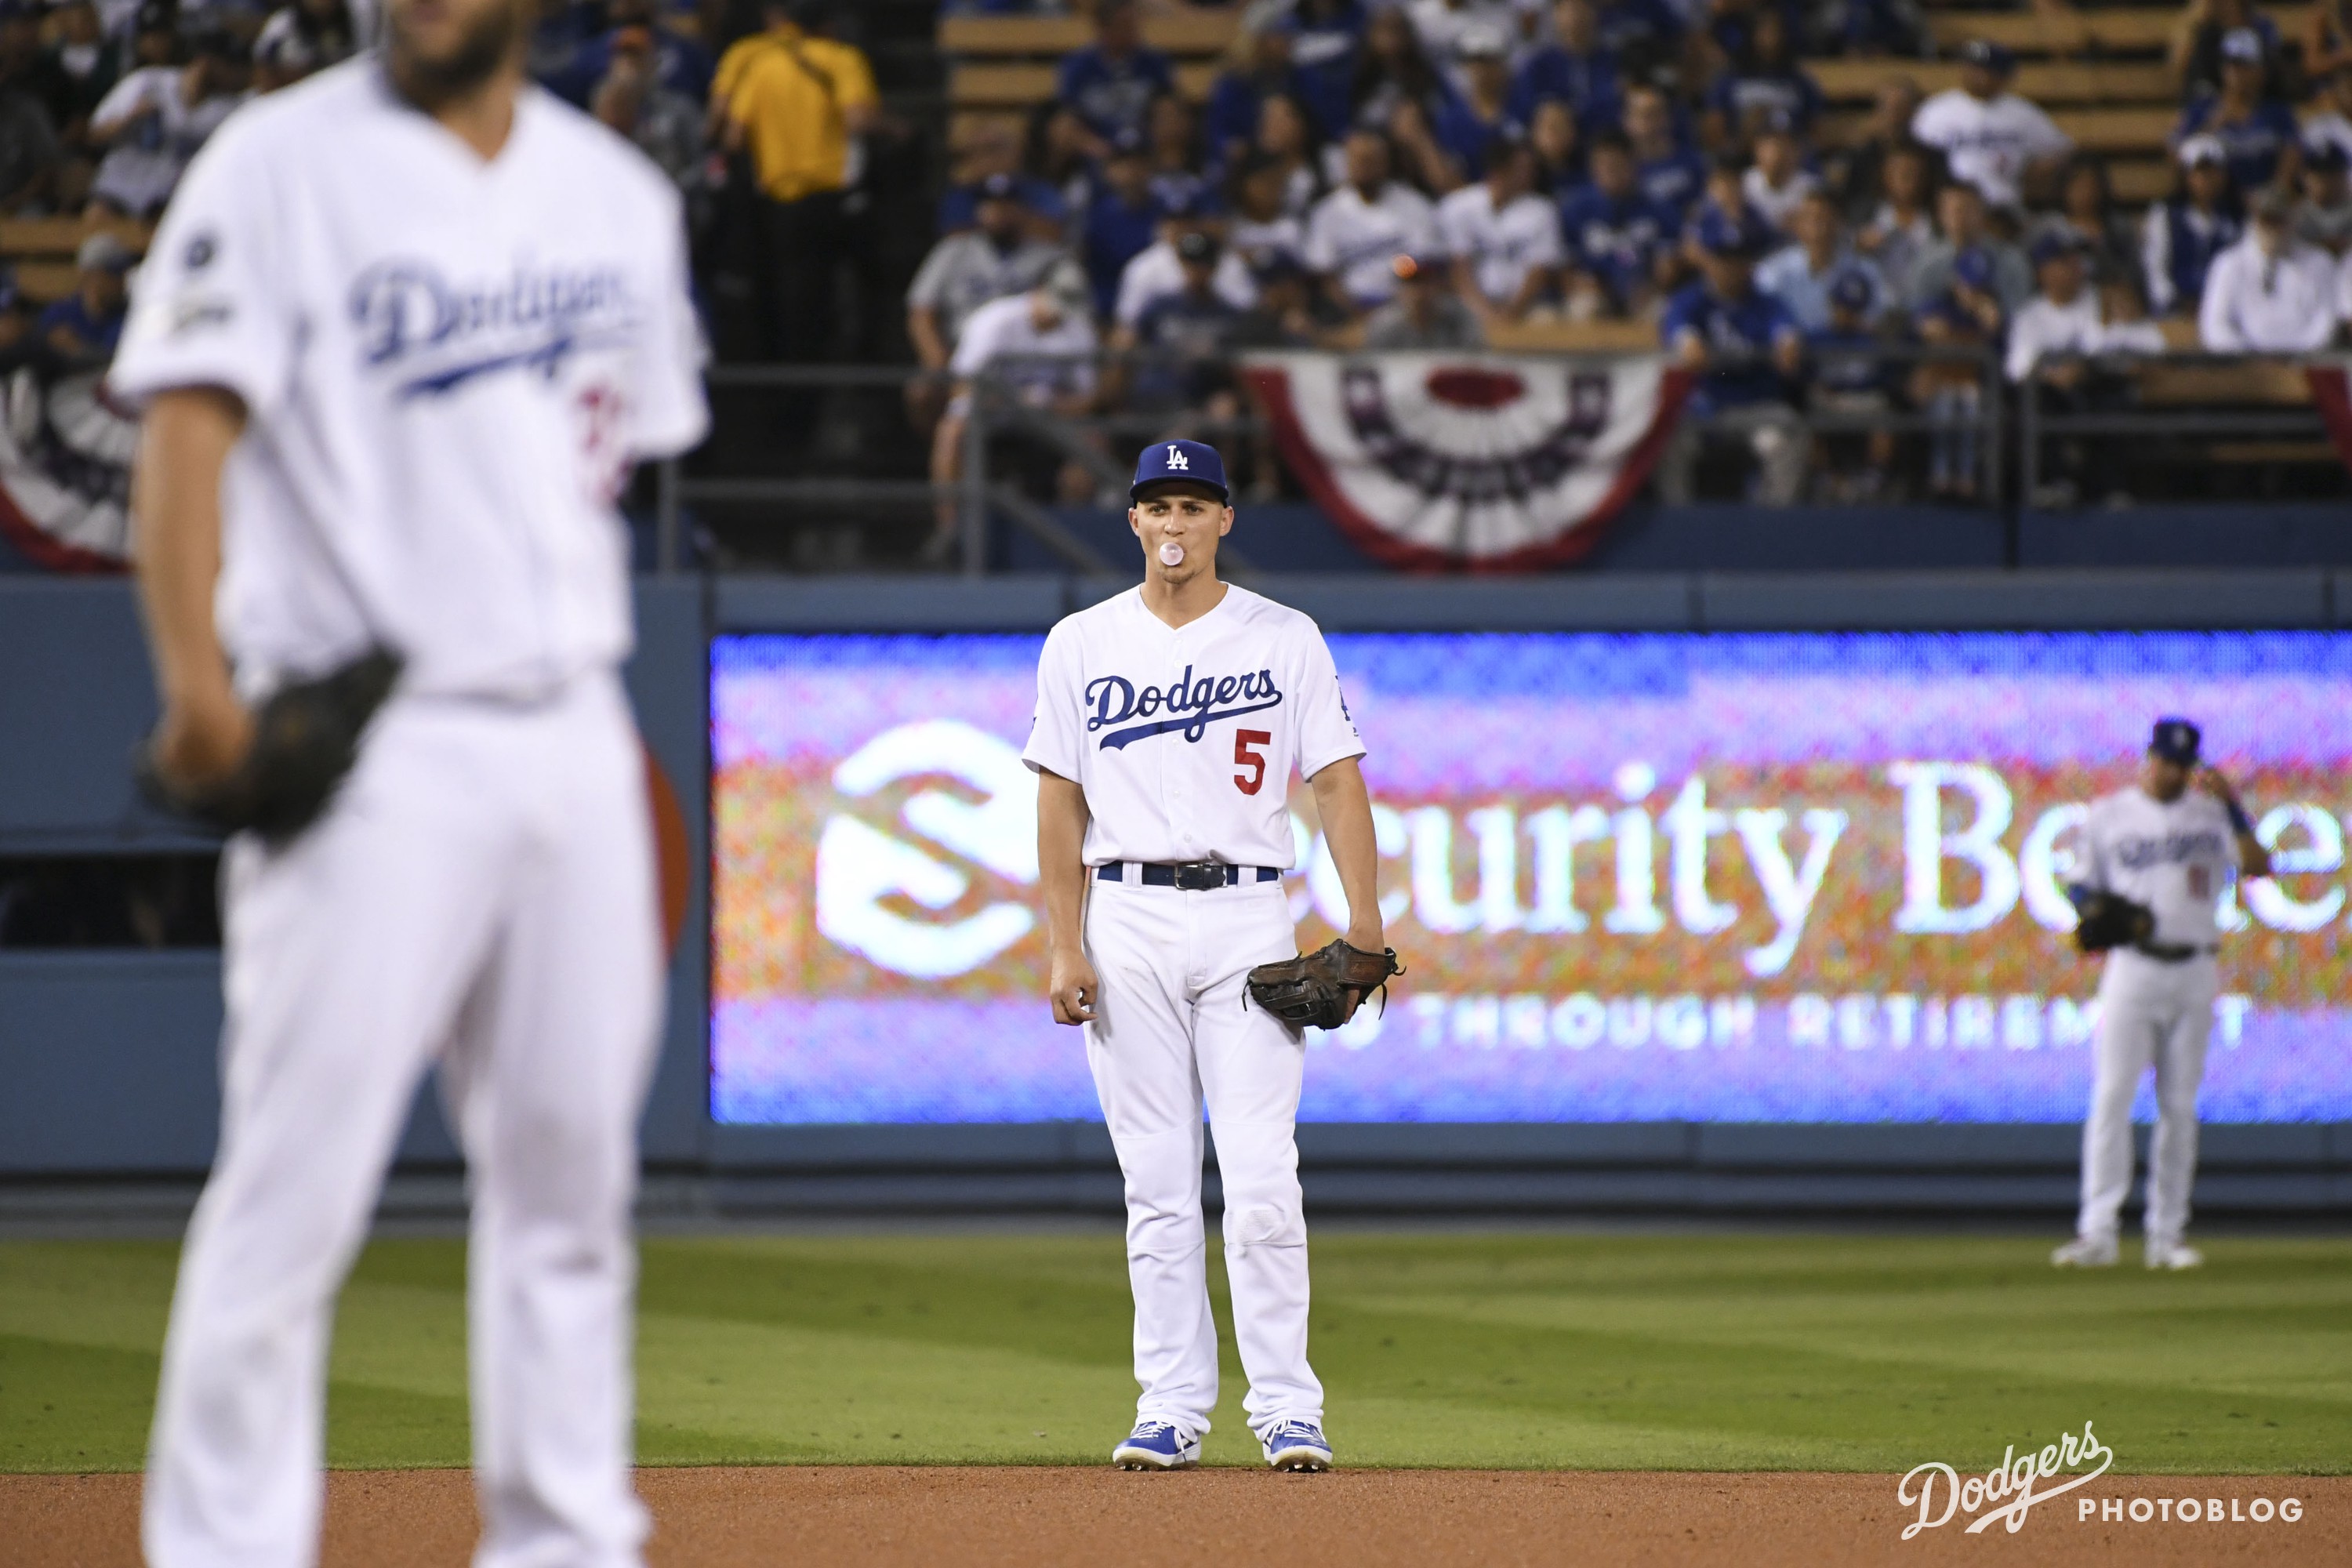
x: 42, y: 249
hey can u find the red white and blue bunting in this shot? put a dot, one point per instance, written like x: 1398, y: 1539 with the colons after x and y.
x: 1453, y: 461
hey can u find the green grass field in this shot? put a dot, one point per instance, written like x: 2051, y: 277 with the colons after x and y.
x: 1438, y: 1349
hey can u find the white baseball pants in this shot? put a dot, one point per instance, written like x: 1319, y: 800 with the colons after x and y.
x: 1173, y: 1030
x: 2150, y: 1013
x: 483, y: 893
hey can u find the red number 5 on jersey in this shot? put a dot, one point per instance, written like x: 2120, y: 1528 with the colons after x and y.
x: 1255, y: 762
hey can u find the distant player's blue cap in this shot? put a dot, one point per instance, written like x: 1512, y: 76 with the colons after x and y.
x: 1194, y: 462
x: 1992, y: 57
x: 2055, y: 244
x: 2176, y: 740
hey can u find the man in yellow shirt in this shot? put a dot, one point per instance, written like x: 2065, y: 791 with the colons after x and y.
x: 796, y: 104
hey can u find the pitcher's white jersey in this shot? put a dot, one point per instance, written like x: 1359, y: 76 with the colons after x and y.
x: 448, y: 367
x: 2175, y: 858
x: 1184, y: 738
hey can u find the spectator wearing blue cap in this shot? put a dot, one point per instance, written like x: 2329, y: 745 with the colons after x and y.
x: 1181, y: 342
x: 1157, y: 271
x: 1991, y: 138
x: 1576, y: 69
x: 1425, y: 313
x: 987, y: 149
x: 1122, y: 220
x: 1849, y: 374
x: 1748, y: 352
x: 2184, y: 232
x: 1112, y: 82
x: 1961, y: 226
x: 1966, y: 317
x: 2257, y: 133
x: 998, y: 257
x: 1800, y: 275
x: 2194, y: 54
x: 1765, y: 86
x: 2325, y: 219
x: 1619, y: 247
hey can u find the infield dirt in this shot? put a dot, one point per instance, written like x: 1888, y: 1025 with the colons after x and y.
x: 1039, y: 1517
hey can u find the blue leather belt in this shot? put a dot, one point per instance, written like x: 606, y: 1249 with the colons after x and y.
x: 1192, y: 876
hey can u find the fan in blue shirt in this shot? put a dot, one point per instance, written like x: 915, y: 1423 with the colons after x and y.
x: 1579, y: 70
x: 2257, y: 133
x: 1324, y: 35
x: 1112, y: 82
x: 1465, y: 124
x: 1122, y: 222
x: 1766, y: 83
x: 1613, y: 233
x: 1744, y: 341
x: 1672, y: 176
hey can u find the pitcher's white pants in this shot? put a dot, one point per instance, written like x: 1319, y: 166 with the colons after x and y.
x: 1172, y: 1032
x: 2150, y: 1013
x: 482, y: 892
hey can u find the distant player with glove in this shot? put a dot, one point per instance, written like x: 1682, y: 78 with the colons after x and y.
x: 2157, y: 858
x: 1169, y: 718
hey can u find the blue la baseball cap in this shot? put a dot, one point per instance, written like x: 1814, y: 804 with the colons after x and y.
x: 1195, y: 462
x: 2176, y: 740
x: 1850, y: 290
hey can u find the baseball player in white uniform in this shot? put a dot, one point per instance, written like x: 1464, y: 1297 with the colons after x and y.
x: 400, y: 337
x: 2171, y: 848
x: 1169, y: 718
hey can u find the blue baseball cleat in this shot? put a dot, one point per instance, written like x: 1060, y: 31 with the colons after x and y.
x: 1159, y: 1446
x: 1297, y: 1445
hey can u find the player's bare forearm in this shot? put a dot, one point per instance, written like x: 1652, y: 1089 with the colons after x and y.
x: 184, y: 444
x: 1345, y: 809
x: 1061, y: 872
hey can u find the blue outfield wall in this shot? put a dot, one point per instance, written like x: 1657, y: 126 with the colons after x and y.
x: 108, y: 1060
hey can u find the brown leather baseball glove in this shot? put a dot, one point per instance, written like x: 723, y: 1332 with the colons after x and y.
x: 1314, y: 988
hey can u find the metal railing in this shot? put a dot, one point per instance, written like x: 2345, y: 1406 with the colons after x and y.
x: 2008, y: 421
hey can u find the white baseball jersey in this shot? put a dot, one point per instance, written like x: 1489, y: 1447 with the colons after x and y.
x: 1184, y: 738
x: 2043, y: 326
x: 1358, y: 238
x: 2280, y: 304
x: 2175, y: 858
x: 1988, y: 142
x: 449, y: 361
x: 1007, y: 329
x: 1155, y: 272
x: 1502, y: 247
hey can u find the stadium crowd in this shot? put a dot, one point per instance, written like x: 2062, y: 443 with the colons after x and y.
x: 1431, y: 173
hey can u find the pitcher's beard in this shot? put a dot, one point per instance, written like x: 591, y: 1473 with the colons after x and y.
x: 431, y: 83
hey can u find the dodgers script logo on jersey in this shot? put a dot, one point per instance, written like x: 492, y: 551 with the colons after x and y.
x: 436, y: 335
x: 2139, y: 854
x: 1191, y: 705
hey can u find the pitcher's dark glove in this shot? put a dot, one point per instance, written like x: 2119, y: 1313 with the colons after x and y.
x: 305, y: 738
x: 1314, y: 988
x: 2104, y: 919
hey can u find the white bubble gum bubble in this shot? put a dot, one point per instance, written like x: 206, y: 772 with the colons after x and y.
x: 1171, y: 554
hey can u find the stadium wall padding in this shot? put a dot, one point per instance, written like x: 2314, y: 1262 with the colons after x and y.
x: 107, y: 1058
